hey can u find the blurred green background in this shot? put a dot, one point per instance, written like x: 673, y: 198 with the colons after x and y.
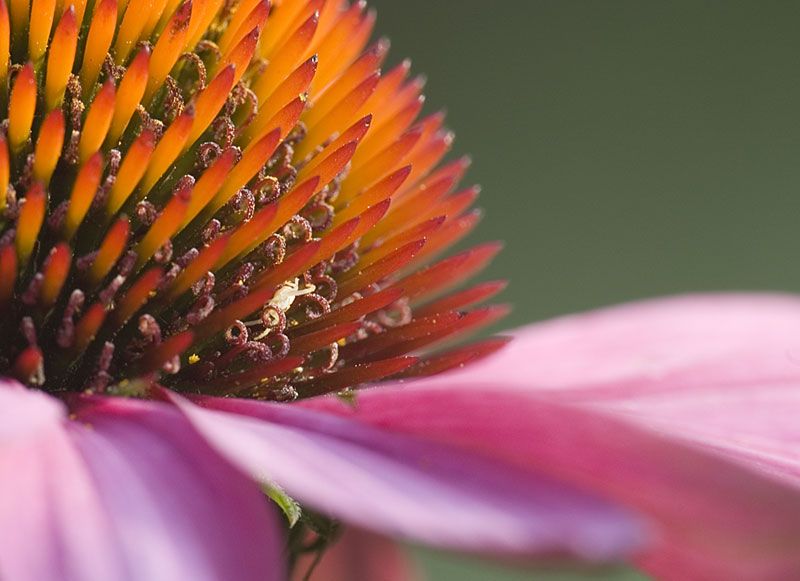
x: 627, y: 149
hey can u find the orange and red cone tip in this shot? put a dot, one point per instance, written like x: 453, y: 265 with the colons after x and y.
x: 218, y: 179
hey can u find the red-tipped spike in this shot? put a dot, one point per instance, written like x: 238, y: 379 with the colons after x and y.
x: 98, y: 120
x: 158, y: 355
x: 110, y: 250
x: 21, y: 108
x: 131, y: 90
x: 210, y: 101
x: 286, y: 58
x: 166, y: 224
x: 311, y: 342
x: 168, y: 49
x: 449, y: 272
x: 365, y: 223
x: 421, y: 230
x: 168, y: 148
x: 375, y: 195
x: 408, y: 211
x: 210, y: 183
x: 330, y: 167
x: 249, y: 13
x: 467, y: 324
x: 253, y: 158
x: 380, y: 269
x: 382, y: 164
x: 48, y: 146
x: 29, y: 366
x: 8, y: 273
x: 101, y: 32
x: 131, y: 171
x: 353, y: 133
x: 463, y: 299
x: 351, y: 311
x: 295, y: 85
x: 83, y: 192
x: 428, y: 153
x: 241, y: 54
x: 233, y: 384
x: 354, y: 376
x: 386, y: 132
x: 341, y: 115
x: 137, y: 295
x: 453, y: 231
x: 345, y: 40
x: 196, y: 269
x: 42, y: 12
x: 455, y: 204
x: 412, y: 331
x: 55, y: 271
x: 242, y: 239
x: 86, y: 329
x: 30, y: 221
x: 5, y: 47
x: 352, y: 77
x: 455, y: 358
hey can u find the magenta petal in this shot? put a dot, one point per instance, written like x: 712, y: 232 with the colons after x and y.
x: 409, y: 487
x: 674, y: 343
x: 54, y: 524
x: 181, y: 510
x: 715, y: 519
x: 127, y: 493
x: 720, y: 371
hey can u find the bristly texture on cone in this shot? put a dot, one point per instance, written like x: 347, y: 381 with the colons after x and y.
x: 224, y: 197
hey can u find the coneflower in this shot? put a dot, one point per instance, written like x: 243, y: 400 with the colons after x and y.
x: 209, y: 209
x: 223, y: 197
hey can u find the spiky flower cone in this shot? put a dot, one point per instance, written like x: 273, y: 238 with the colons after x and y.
x: 222, y: 197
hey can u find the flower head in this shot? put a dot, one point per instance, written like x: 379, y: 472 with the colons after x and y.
x: 212, y: 198
x: 223, y: 197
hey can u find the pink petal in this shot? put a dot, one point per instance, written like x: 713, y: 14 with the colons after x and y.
x: 736, y: 523
x: 409, y: 487
x: 721, y: 371
x: 128, y: 492
x: 360, y: 555
x: 672, y: 343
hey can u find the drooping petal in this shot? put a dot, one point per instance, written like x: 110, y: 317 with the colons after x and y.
x: 408, y: 487
x: 122, y: 494
x: 360, y: 555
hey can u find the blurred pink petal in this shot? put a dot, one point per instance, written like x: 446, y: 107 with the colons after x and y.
x: 127, y: 492
x: 721, y: 371
x: 682, y: 408
x: 411, y: 488
x: 359, y: 555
